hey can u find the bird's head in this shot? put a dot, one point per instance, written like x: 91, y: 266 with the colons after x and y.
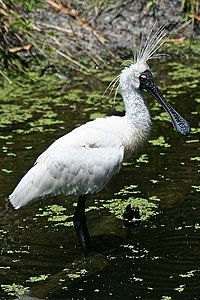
x: 138, y: 77
x: 130, y: 76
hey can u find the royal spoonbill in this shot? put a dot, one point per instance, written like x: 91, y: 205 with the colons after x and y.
x: 84, y: 160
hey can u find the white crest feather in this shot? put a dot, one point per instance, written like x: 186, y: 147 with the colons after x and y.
x: 153, y: 42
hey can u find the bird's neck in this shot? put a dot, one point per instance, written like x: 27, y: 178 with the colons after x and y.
x: 137, y: 120
x: 137, y: 113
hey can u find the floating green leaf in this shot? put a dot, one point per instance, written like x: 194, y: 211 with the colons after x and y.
x: 160, y: 142
x: 38, y: 278
x: 12, y: 289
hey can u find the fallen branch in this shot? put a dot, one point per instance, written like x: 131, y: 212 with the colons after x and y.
x: 19, y: 49
x: 177, y: 41
x: 50, y: 26
x: 80, y: 19
x: 194, y: 16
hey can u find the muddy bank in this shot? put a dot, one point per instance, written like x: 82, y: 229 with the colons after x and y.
x: 98, y: 32
x: 114, y: 28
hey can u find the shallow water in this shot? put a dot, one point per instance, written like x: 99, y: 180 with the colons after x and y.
x: 159, y: 259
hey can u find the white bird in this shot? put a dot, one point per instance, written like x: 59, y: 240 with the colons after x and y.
x: 84, y: 160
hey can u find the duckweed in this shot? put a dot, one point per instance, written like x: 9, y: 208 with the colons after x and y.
x: 118, y: 206
x: 76, y: 274
x: 6, y: 171
x: 189, y: 274
x: 12, y: 289
x: 56, y: 214
x: 195, y: 130
x: 197, y: 158
x: 180, y: 288
x: 38, y: 278
x: 160, y: 141
x: 196, y: 187
x: 163, y: 116
x: 143, y: 159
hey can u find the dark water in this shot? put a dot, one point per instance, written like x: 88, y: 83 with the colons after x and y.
x: 160, y: 259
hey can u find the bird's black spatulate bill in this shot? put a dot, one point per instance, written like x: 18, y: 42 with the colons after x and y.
x: 180, y: 124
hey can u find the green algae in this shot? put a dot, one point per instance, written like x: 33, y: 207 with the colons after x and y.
x: 197, y: 158
x: 108, y: 75
x: 195, y: 130
x: 6, y: 137
x: 189, y: 50
x: 182, y: 71
x: 2, y: 234
x: 31, y: 105
x: 160, y: 141
x: 94, y: 116
x: 180, y: 288
x: 143, y: 159
x: 76, y: 274
x: 136, y: 252
x: 56, y: 214
x: 128, y: 190
x: 188, y: 274
x: 192, y: 141
x: 118, y: 206
x: 196, y: 187
x: 6, y: 171
x: 197, y: 226
x: 163, y: 116
x: 185, y: 75
x: 32, y: 100
x: 38, y: 278
x: 12, y: 289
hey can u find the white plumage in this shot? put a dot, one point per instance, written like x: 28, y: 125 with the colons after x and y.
x: 81, y: 162
x: 84, y: 160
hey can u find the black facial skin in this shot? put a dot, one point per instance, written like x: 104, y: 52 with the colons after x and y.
x: 147, y: 82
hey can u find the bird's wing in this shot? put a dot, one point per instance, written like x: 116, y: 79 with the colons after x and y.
x: 79, y: 163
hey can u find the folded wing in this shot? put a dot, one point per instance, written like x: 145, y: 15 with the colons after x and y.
x: 81, y: 162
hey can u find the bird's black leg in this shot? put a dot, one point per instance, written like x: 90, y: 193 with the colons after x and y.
x: 80, y: 224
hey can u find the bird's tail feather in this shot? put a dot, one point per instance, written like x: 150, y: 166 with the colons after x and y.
x: 30, y: 187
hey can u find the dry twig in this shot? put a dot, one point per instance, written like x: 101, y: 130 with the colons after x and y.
x: 80, y: 19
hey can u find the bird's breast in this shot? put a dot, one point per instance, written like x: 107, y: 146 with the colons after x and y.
x: 131, y: 133
x: 134, y: 137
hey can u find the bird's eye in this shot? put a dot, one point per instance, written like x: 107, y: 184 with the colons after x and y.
x: 143, y: 76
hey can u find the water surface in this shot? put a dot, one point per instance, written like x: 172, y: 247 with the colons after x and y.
x: 158, y: 259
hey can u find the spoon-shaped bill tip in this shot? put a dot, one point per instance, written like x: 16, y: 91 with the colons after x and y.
x: 180, y: 124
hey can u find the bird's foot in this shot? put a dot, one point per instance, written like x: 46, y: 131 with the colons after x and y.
x: 131, y: 217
